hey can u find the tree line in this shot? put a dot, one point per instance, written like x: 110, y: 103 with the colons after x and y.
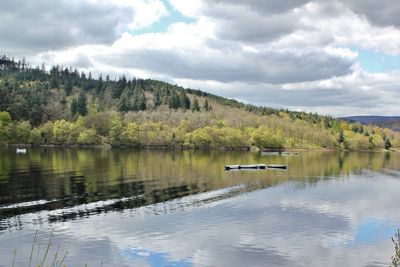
x: 63, y: 106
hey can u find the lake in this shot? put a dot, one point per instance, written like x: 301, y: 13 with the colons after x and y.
x: 180, y: 208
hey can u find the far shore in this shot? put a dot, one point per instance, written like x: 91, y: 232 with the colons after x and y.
x: 165, y: 147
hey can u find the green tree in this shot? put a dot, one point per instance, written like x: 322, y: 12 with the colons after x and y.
x: 22, y: 132
x: 206, y: 106
x: 174, y: 101
x: 99, y: 88
x: 88, y: 137
x: 116, y: 130
x: 68, y: 87
x: 81, y: 104
x: 119, y: 87
x: 185, y: 101
x: 141, y: 101
x: 61, y: 132
x: 130, y: 135
x: 265, y: 137
x: 74, y: 107
x: 157, y: 99
x: 36, y: 137
x: 195, y: 106
x: 5, y: 127
x: 47, y: 132
x: 5, y: 118
x: 124, y: 102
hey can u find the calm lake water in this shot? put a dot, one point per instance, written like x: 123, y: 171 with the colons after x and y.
x: 163, y: 208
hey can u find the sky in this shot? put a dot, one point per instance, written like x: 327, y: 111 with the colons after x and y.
x: 332, y: 57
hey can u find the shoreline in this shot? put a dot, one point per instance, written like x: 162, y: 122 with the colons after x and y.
x: 181, y: 148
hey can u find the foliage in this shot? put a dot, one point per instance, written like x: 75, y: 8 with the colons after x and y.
x: 266, y: 137
x: 130, y: 135
x: 22, y: 132
x: 88, y: 137
x: 69, y: 107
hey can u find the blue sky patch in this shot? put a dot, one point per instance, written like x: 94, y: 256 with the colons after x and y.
x: 373, y: 231
x: 162, y: 25
x: 373, y: 61
x: 154, y: 259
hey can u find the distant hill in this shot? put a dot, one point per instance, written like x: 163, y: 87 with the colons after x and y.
x: 391, y: 122
x: 65, y: 106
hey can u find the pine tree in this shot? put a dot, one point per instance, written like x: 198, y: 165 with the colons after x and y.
x: 206, y: 106
x: 81, y: 104
x: 141, y: 104
x: 99, y: 87
x: 124, y: 103
x: 74, y: 107
x: 119, y: 88
x: 157, y: 99
x: 174, y: 101
x: 195, y: 106
x: 185, y: 101
x: 68, y: 87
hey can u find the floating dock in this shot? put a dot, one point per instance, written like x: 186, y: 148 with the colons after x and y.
x: 245, y: 167
x: 277, y: 166
x: 255, y: 167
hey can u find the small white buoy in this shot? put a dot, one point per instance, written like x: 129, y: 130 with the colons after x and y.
x: 21, y: 150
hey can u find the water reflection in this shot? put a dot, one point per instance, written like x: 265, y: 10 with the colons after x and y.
x: 51, y: 179
x: 328, y: 209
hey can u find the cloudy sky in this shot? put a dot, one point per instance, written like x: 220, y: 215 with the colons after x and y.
x: 334, y: 57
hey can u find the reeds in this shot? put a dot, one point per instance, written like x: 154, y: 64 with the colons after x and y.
x: 43, y: 260
x: 396, y: 256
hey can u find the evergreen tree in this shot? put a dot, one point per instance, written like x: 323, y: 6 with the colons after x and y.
x: 74, y: 107
x: 174, y: 101
x: 185, y: 101
x: 195, y: 106
x: 119, y: 88
x: 141, y: 103
x: 206, y: 106
x: 54, y: 82
x: 68, y: 87
x: 124, y: 103
x: 99, y: 87
x: 157, y: 99
x: 81, y: 104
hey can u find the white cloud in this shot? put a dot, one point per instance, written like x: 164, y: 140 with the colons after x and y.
x: 190, y: 8
x: 147, y: 12
x: 243, y: 48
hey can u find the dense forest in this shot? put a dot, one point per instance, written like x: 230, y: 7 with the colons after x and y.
x: 65, y: 106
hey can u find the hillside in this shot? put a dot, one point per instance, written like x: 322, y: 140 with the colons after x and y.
x: 391, y: 122
x: 64, y: 106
